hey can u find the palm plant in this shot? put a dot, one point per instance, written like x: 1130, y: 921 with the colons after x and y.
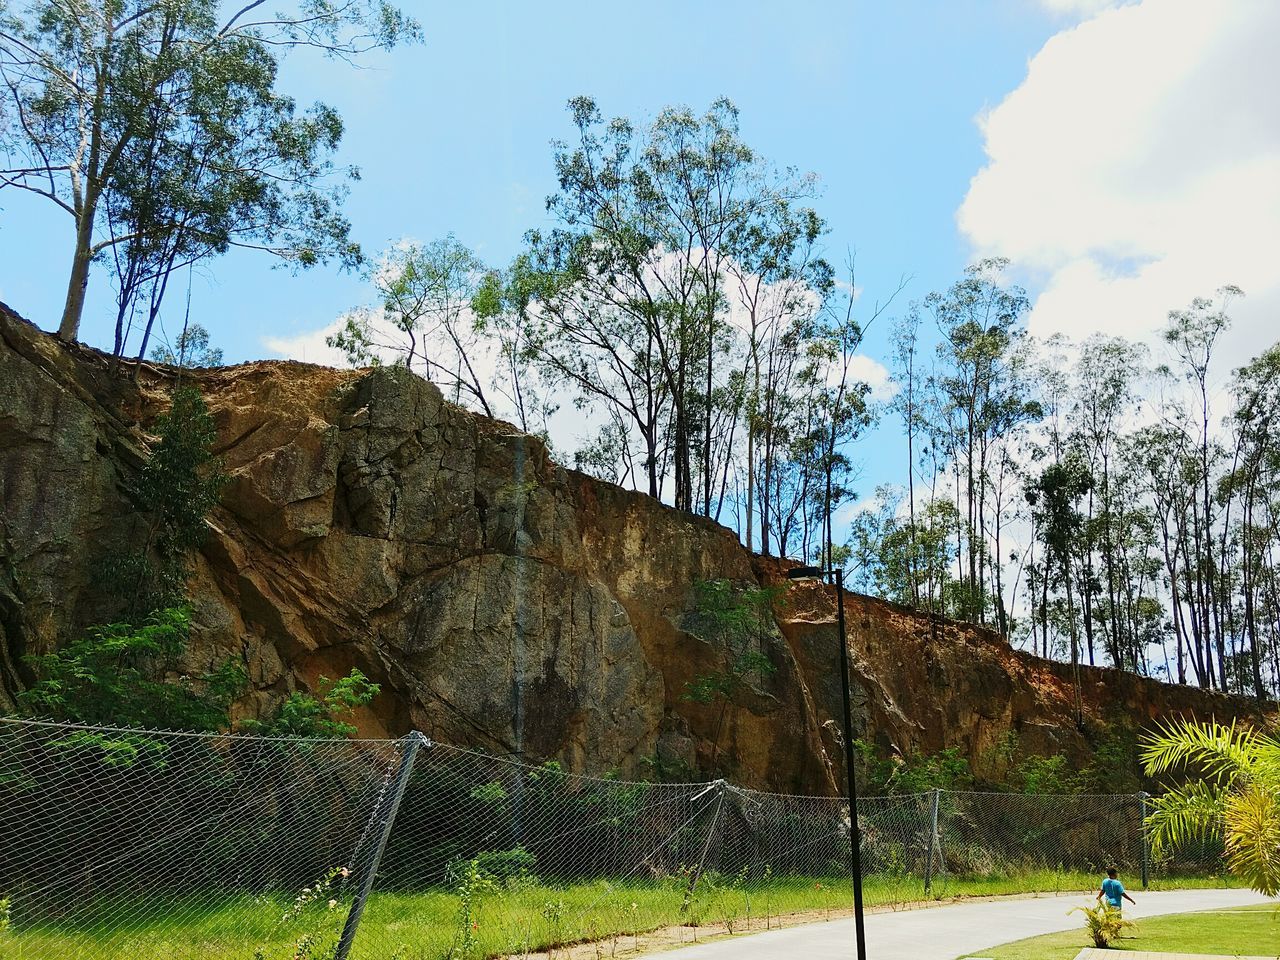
x: 1234, y: 794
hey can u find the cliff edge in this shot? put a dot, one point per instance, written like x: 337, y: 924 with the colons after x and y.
x: 503, y: 601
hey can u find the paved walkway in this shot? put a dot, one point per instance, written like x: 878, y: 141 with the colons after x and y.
x: 944, y: 933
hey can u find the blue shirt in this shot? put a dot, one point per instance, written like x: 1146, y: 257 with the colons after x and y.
x: 1113, y: 890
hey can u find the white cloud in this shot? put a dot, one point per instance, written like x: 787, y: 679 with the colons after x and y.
x: 1082, y: 8
x: 875, y: 374
x: 1138, y: 166
x: 309, y: 346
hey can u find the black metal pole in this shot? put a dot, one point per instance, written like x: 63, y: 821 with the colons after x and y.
x: 855, y: 840
x: 1146, y: 839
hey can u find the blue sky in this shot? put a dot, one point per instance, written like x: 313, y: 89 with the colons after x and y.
x: 881, y: 100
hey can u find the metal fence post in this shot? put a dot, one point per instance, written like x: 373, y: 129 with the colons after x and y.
x: 719, y: 787
x: 933, y: 841
x: 1146, y: 840
x: 385, y: 819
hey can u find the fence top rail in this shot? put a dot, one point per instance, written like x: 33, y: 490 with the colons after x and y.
x: 373, y: 743
x: 53, y: 725
x: 542, y: 768
x: 833, y: 798
x: 1073, y: 796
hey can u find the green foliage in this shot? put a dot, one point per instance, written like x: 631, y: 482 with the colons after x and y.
x: 324, y: 717
x: 181, y: 483
x: 504, y: 868
x: 120, y: 675
x: 913, y: 773
x: 1114, y: 764
x: 313, y: 920
x: 904, y: 560
x: 729, y: 613
x: 422, y: 320
x: 472, y: 885
x: 737, y: 621
x: 490, y: 794
x: 665, y: 769
x: 1055, y: 499
x: 181, y: 147
x: 1104, y: 923
x: 1044, y: 775
x: 190, y: 349
x: 1235, y: 794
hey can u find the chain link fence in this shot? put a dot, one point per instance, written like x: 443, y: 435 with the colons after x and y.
x: 150, y: 845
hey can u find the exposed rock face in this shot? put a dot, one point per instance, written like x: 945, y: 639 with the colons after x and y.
x: 502, y: 601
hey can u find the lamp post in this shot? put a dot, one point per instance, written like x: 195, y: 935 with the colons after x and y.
x: 855, y: 841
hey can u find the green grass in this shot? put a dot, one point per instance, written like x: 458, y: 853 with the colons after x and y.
x: 1251, y: 931
x: 428, y: 925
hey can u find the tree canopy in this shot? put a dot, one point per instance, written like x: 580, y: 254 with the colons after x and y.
x: 158, y: 128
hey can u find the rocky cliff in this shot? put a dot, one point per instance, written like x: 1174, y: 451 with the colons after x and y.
x: 502, y: 601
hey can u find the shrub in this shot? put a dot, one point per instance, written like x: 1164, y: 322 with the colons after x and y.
x: 119, y: 675
x: 1104, y: 924
x: 180, y: 484
x: 507, y: 868
x: 304, y: 715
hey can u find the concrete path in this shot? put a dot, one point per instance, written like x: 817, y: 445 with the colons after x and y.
x: 944, y: 933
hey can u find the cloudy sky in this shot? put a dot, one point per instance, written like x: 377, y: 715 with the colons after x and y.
x: 1137, y: 165
x: 1125, y: 156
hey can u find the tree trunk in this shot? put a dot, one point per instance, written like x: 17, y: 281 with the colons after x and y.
x: 78, y: 282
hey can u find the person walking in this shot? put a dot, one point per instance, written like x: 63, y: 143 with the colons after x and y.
x: 1113, y: 890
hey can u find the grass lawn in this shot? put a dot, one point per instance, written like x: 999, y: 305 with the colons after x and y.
x: 1251, y: 931
x: 428, y: 925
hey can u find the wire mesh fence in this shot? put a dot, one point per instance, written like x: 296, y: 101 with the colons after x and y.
x: 119, y: 843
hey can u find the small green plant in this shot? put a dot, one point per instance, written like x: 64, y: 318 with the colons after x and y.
x: 323, y: 717
x: 490, y: 794
x: 765, y: 885
x: 319, y: 892
x: 5, y: 913
x: 473, y: 884
x: 737, y: 898
x: 315, y: 911
x: 1104, y: 923
x: 553, y: 913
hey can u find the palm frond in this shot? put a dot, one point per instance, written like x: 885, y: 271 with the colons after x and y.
x: 1193, y: 811
x: 1224, y: 753
x: 1252, y: 819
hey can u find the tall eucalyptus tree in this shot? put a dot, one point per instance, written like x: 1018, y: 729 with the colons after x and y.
x: 141, y: 107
